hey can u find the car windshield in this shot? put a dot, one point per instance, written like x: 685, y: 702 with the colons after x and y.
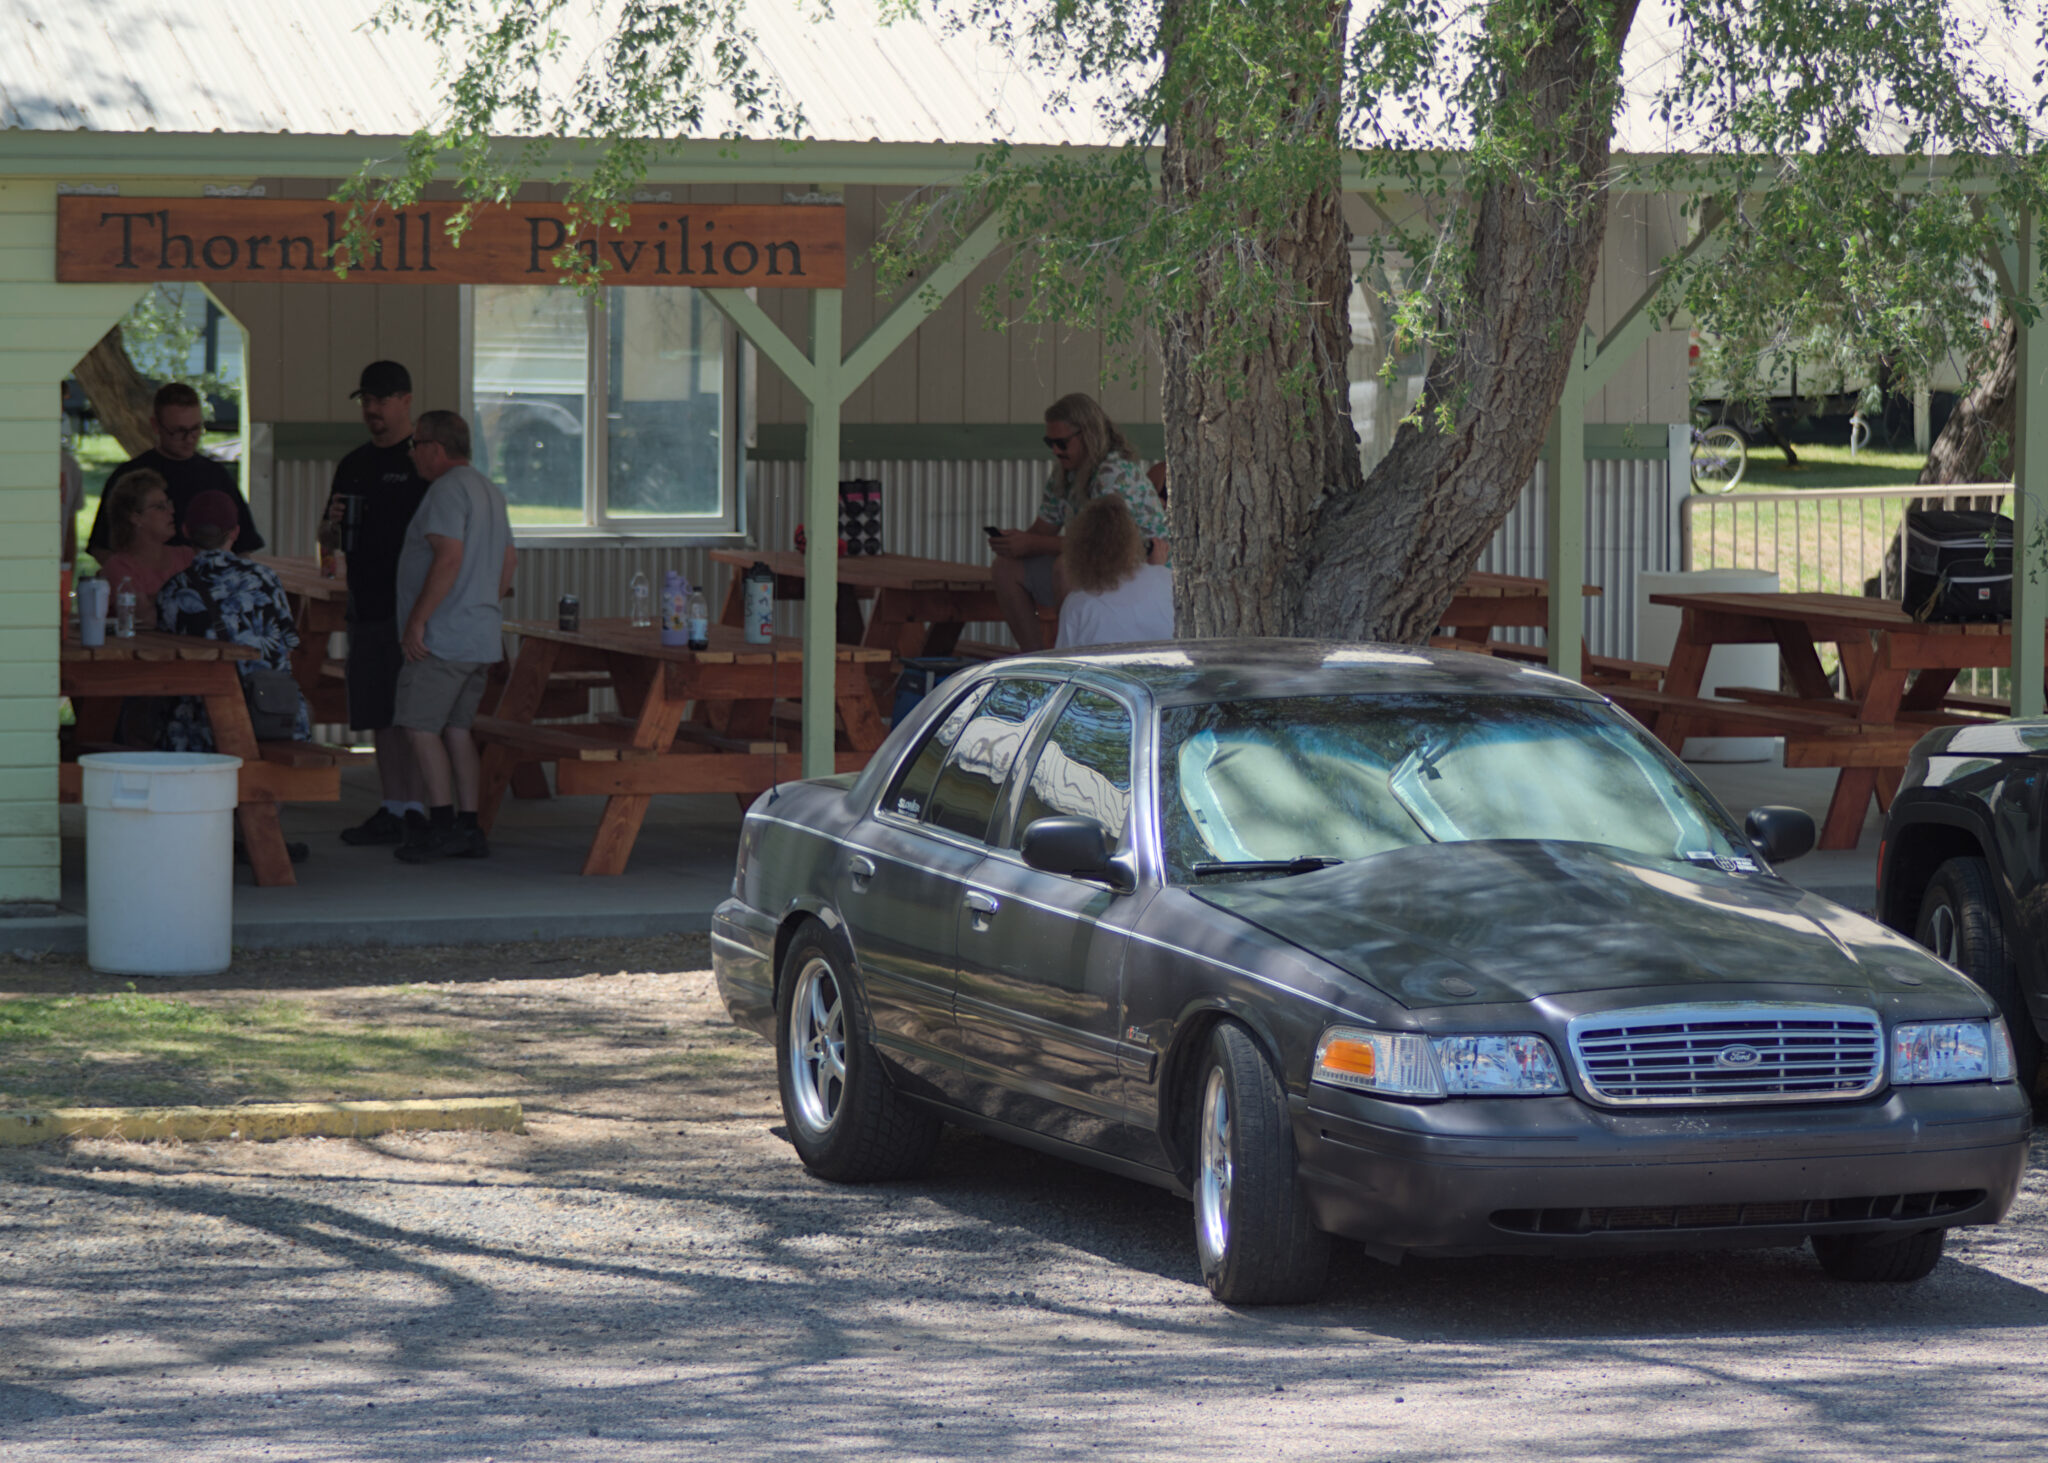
x: 1286, y: 784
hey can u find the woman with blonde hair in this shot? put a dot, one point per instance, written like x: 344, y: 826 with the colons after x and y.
x: 140, y: 527
x: 1113, y: 595
x: 1094, y: 460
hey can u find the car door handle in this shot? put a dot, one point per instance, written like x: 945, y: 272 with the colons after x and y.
x: 860, y: 870
x: 982, y: 903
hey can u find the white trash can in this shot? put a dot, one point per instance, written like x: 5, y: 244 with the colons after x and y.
x: 159, y: 862
x: 1727, y: 665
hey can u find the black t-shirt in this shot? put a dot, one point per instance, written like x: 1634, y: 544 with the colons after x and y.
x: 384, y: 479
x: 185, y: 478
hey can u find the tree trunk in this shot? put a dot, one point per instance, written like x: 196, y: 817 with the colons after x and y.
x: 1975, y: 445
x: 1276, y: 529
x: 122, y: 400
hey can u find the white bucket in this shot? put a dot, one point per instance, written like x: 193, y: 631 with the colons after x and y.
x: 159, y: 862
x: 1727, y: 665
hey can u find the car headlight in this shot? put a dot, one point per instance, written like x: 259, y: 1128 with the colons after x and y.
x: 1951, y: 1051
x: 1404, y: 1064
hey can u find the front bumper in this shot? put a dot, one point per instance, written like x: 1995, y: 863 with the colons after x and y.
x: 1553, y: 1175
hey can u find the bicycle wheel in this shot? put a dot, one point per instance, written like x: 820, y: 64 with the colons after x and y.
x: 1719, y: 456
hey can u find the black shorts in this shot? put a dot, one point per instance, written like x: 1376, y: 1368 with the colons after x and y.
x: 374, y: 659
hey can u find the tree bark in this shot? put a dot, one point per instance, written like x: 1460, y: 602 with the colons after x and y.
x: 122, y: 400
x: 1276, y: 529
x: 1975, y: 445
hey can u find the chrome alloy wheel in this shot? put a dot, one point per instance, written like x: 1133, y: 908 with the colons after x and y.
x: 1212, y: 1182
x: 1941, y: 929
x: 817, y: 1045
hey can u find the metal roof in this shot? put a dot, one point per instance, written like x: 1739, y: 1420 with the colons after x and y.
x: 313, y: 68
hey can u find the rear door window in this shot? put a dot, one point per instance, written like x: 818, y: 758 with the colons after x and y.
x: 969, y: 788
x: 913, y: 785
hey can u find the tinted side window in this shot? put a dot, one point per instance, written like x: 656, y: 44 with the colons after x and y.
x: 971, y: 785
x: 914, y: 783
x: 1084, y: 769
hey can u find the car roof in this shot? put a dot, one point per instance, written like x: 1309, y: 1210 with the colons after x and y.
x: 1185, y: 672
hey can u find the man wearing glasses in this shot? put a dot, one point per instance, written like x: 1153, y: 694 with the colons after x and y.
x: 187, y: 472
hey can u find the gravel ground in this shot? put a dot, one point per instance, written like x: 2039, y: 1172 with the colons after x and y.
x: 648, y: 1274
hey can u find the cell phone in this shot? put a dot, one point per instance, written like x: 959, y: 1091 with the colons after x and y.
x: 992, y: 531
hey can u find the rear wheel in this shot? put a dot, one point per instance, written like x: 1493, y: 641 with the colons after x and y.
x: 1719, y: 458
x: 1258, y: 1243
x: 1959, y: 922
x: 1884, y: 1258
x: 845, y: 1120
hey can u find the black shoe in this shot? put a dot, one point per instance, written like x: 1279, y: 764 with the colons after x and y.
x: 382, y: 826
x: 448, y: 842
x: 413, y: 828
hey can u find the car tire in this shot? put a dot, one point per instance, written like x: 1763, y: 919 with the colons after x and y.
x: 845, y: 1121
x: 1882, y: 1258
x: 1256, y: 1238
x: 1959, y: 921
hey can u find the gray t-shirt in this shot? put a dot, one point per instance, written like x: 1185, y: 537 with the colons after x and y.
x: 465, y: 505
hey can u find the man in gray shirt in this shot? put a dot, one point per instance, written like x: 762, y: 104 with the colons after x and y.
x: 454, y: 571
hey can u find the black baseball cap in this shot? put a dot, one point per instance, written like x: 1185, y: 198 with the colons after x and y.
x: 383, y: 378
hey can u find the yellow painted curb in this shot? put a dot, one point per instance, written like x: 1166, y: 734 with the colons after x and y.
x: 259, y: 1121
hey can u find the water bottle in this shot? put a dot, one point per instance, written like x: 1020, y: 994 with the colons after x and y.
x: 643, y: 602
x: 124, y: 609
x: 759, y: 602
x: 675, y: 595
x: 700, y: 621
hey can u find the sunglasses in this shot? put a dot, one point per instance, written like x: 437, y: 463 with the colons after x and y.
x: 186, y: 433
x: 1059, y: 444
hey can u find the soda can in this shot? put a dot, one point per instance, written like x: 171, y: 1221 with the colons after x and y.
x: 569, y: 613
x: 351, y: 520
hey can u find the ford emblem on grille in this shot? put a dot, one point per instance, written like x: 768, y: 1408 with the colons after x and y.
x: 1737, y: 1056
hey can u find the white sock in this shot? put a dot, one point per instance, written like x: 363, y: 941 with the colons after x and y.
x: 420, y: 808
x: 394, y: 807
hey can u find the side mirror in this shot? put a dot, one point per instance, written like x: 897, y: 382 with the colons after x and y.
x: 1076, y: 847
x: 1779, y: 834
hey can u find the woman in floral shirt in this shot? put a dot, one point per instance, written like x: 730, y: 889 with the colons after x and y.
x: 223, y: 597
x: 1093, y: 458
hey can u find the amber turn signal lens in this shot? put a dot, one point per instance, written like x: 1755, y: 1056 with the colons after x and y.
x: 1355, y: 1057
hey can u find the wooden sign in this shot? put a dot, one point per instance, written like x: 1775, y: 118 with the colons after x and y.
x: 268, y: 240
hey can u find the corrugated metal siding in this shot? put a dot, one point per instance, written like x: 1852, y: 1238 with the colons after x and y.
x: 1629, y: 531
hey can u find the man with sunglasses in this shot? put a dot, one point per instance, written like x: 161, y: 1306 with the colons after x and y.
x: 1092, y: 458
x: 179, y: 419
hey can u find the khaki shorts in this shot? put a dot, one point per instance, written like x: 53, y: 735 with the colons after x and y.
x: 434, y: 695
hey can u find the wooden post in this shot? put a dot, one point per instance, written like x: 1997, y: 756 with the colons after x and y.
x: 821, y: 543
x: 1564, y: 474
x: 2029, y: 484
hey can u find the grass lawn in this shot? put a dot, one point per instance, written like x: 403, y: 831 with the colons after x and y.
x: 1830, y: 467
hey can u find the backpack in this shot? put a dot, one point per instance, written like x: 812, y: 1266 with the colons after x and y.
x: 1958, y: 566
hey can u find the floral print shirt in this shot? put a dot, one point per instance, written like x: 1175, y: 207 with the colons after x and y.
x: 1114, y: 474
x: 252, y: 610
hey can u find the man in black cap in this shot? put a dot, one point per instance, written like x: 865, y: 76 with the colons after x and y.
x: 376, y: 492
x: 178, y: 419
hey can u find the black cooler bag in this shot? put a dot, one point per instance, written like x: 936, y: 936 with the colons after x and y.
x: 1958, y: 566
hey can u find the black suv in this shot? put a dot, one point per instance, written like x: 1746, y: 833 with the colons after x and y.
x: 1961, y: 867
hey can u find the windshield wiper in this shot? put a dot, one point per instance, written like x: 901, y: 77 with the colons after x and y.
x: 1306, y: 863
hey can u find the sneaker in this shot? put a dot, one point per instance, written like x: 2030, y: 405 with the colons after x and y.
x: 382, y: 826
x: 450, y: 842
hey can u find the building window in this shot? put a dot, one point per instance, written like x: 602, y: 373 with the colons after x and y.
x: 619, y: 413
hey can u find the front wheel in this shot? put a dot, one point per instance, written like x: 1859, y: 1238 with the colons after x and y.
x: 845, y: 1120
x: 1882, y: 1258
x: 1959, y: 921
x: 1719, y: 458
x: 1256, y: 1238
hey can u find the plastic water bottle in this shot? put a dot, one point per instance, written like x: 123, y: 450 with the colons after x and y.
x: 675, y: 594
x: 700, y: 621
x: 124, y: 609
x: 643, y: 602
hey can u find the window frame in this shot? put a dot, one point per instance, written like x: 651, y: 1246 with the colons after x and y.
x: 598, y: 524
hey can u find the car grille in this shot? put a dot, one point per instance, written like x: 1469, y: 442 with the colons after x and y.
x: 1904, y: 1208
x: 1685, y: 1056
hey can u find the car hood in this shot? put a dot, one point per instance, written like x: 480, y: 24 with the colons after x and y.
x: 1457, y: 923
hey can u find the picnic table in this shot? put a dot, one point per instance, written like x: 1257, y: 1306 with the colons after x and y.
x: 1488, y: 602
x: 920, y: 605
x: 1898, y: 675
x: 155, y: 664
x: 319, y: 609
x: 691, y: 721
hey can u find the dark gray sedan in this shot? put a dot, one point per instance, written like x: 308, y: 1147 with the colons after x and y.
x: 1422, y: 949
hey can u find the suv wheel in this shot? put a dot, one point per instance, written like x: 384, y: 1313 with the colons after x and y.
x: 1959, y: 922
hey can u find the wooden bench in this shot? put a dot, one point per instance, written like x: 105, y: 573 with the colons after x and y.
x: 595, y: 742
x: 1598, y: 669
